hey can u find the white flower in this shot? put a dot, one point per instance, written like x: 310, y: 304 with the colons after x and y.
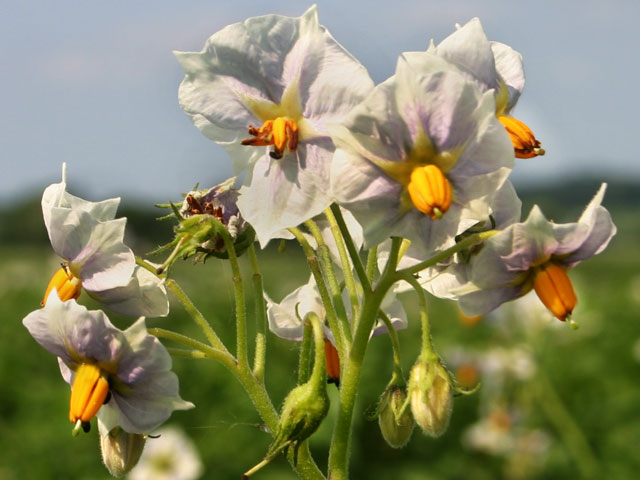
x: 91, y: 242
x: 279, y: 81
x: 170, y: 456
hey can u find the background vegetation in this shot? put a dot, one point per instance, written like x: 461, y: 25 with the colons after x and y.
x: 575, y: 415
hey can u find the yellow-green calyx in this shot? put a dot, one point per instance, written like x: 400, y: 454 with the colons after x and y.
x: 431, y: 396
x: 394, y: 418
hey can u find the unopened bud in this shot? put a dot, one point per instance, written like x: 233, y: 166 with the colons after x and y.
x: 431, y: 395
x: 121, y: 450
x: 395, y: 420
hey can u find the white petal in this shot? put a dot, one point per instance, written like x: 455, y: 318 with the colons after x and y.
x: 144, y: 295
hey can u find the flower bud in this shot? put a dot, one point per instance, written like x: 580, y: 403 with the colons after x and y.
x: 396, y: 424
x: 121, y: 450
x: 431, y: 394
x: 204, y: 216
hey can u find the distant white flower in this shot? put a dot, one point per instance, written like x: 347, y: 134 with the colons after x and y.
x: 170, y: 456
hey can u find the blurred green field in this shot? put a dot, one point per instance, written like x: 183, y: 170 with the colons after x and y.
x: 575, y: 416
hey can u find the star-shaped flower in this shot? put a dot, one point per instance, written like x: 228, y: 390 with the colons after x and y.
x: 536, y: 254
x: 274, y: 82
x: 123, y: 376
x: 91, y: 243
x: 491, y: 66
x: 421, y: 157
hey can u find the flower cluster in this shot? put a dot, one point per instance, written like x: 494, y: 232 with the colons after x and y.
x: 414, y: 172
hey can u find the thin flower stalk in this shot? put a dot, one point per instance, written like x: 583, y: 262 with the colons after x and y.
x: 349, y: 281
x: 305, y: 357
x: 329, y: 272
x: 314, y: 266
x: 260, y: 355
x: 351, y: 248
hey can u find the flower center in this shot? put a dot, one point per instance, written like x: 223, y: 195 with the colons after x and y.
x: 281, y: 133
x: 66, y: 284
x: 332, y: 363
x: 88, y: 393
x: 430, y: 191
x: 553, y: 286
x: 524, y: 142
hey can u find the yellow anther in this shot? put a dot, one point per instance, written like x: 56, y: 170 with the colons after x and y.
x: 281, y: 132
x: 430, y: 191
x: 66, y: 284
x: 88, y: 393
x: 524, y: 142
x: 553, y: 286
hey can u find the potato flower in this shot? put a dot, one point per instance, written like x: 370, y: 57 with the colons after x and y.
x: 421, y: 157
x: 536, y: 254
x: 274, y: 83
x: 124, y: 377
x: 91, y: 243
x: 491, y: 66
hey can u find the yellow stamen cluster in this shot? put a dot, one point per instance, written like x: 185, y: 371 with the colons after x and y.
x: 88, y: 393
x: 524, y: 142
x: 281, y: 132
x: 430, y: 191
x: 66, y: 284
x: 553, y: 286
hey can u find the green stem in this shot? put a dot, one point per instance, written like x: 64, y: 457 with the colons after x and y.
x: 426, y: 351
x: 445, y: 254
x: 372, y: 263
x: 346, y: 264
x: 351, y: 248
x: 195, y: 314
x: 334, y: 286
x: 395, y: 346
x: 340, y: 444
x: 238, y: 294
x: 223, y: 356
x: 305, y: 350
x: 567, y: 428
x: 259, y: 360
x: 314, y: 266
x: 317, y: 379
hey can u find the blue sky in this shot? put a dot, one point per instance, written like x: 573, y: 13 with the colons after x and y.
x: 95, y: 84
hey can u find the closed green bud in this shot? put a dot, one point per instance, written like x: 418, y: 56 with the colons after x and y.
x: 431, y: 395
x: 121, y: 450
x: 396, y: 422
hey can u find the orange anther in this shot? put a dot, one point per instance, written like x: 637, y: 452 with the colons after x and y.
x: 281, y: 132
x: 553, y: 286
x: 524, y: 142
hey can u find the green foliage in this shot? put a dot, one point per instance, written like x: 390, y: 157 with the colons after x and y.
x: 593, y: 372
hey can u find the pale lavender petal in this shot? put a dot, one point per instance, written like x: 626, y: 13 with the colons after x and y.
x: 284, y: 193
x: 144, y: 295
x: 56, y: 196
x: 469, y: 49
x: 75, y: 334
x: 509, y: 66
x: 149, y: 391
